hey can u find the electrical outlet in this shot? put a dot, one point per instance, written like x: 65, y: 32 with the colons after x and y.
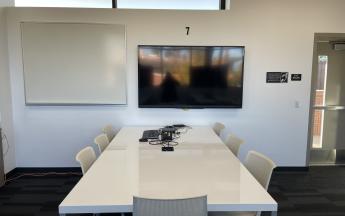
x: 297, y: 104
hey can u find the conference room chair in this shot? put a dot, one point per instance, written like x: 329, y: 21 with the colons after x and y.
x: 102, y: 142
x: 218, y: 127
x: 109, y: 131
x: 86, y: 157
x: 177, y: 207
x: 234, y: 143
x: 261, y: 167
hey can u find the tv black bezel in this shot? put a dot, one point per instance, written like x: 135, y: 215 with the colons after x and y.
x: 192, y: 106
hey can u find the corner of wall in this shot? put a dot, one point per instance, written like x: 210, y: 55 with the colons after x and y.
x: 6, y: 96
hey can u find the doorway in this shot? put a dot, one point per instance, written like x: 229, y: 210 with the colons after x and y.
x: 327, y: 117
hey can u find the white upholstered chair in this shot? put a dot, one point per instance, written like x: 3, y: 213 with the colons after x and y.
x: 178, y: 207
x: 102, y: 142
x: 218, y: 127
x: 109, y: 131
x: 261, y: 167
x: 86, y: 157
x: 234, y: 143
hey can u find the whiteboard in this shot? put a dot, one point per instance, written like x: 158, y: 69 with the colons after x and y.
x: 71, y: 63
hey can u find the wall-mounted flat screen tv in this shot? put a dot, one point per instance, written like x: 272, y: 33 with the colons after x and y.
x: 190, y: 76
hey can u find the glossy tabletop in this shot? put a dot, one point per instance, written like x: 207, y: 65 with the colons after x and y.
x: 200, y: 165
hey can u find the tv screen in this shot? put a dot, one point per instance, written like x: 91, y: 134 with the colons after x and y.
x: 190, y: 76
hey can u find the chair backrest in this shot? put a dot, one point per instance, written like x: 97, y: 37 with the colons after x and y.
x: 102, y: 142
x: 86, y: 157
x: 179, y: 207
x: 234, y: 143
x: 260, y: 166
x: 218, y: 127
x: 109, y: 131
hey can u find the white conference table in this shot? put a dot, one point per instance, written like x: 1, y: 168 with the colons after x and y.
x: 200, y: 165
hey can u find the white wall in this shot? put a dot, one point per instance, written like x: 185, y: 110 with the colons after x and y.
x: 5, y: 91
x: 278, y: 36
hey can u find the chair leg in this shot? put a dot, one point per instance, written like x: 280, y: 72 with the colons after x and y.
x: 274, y: 213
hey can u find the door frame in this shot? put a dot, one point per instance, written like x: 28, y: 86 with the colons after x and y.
x: 315, y: 67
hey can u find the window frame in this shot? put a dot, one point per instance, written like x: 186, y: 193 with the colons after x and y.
x: 222, y: 4
x: 106, y: 4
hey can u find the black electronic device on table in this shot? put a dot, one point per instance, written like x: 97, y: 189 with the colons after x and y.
x: 150, y: 134
x: 167, y: 133
x: 167, y: 148
x: 167, y: 136
x: 179, y: 126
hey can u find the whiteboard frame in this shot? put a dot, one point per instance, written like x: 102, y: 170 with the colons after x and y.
x: 68, y: 103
